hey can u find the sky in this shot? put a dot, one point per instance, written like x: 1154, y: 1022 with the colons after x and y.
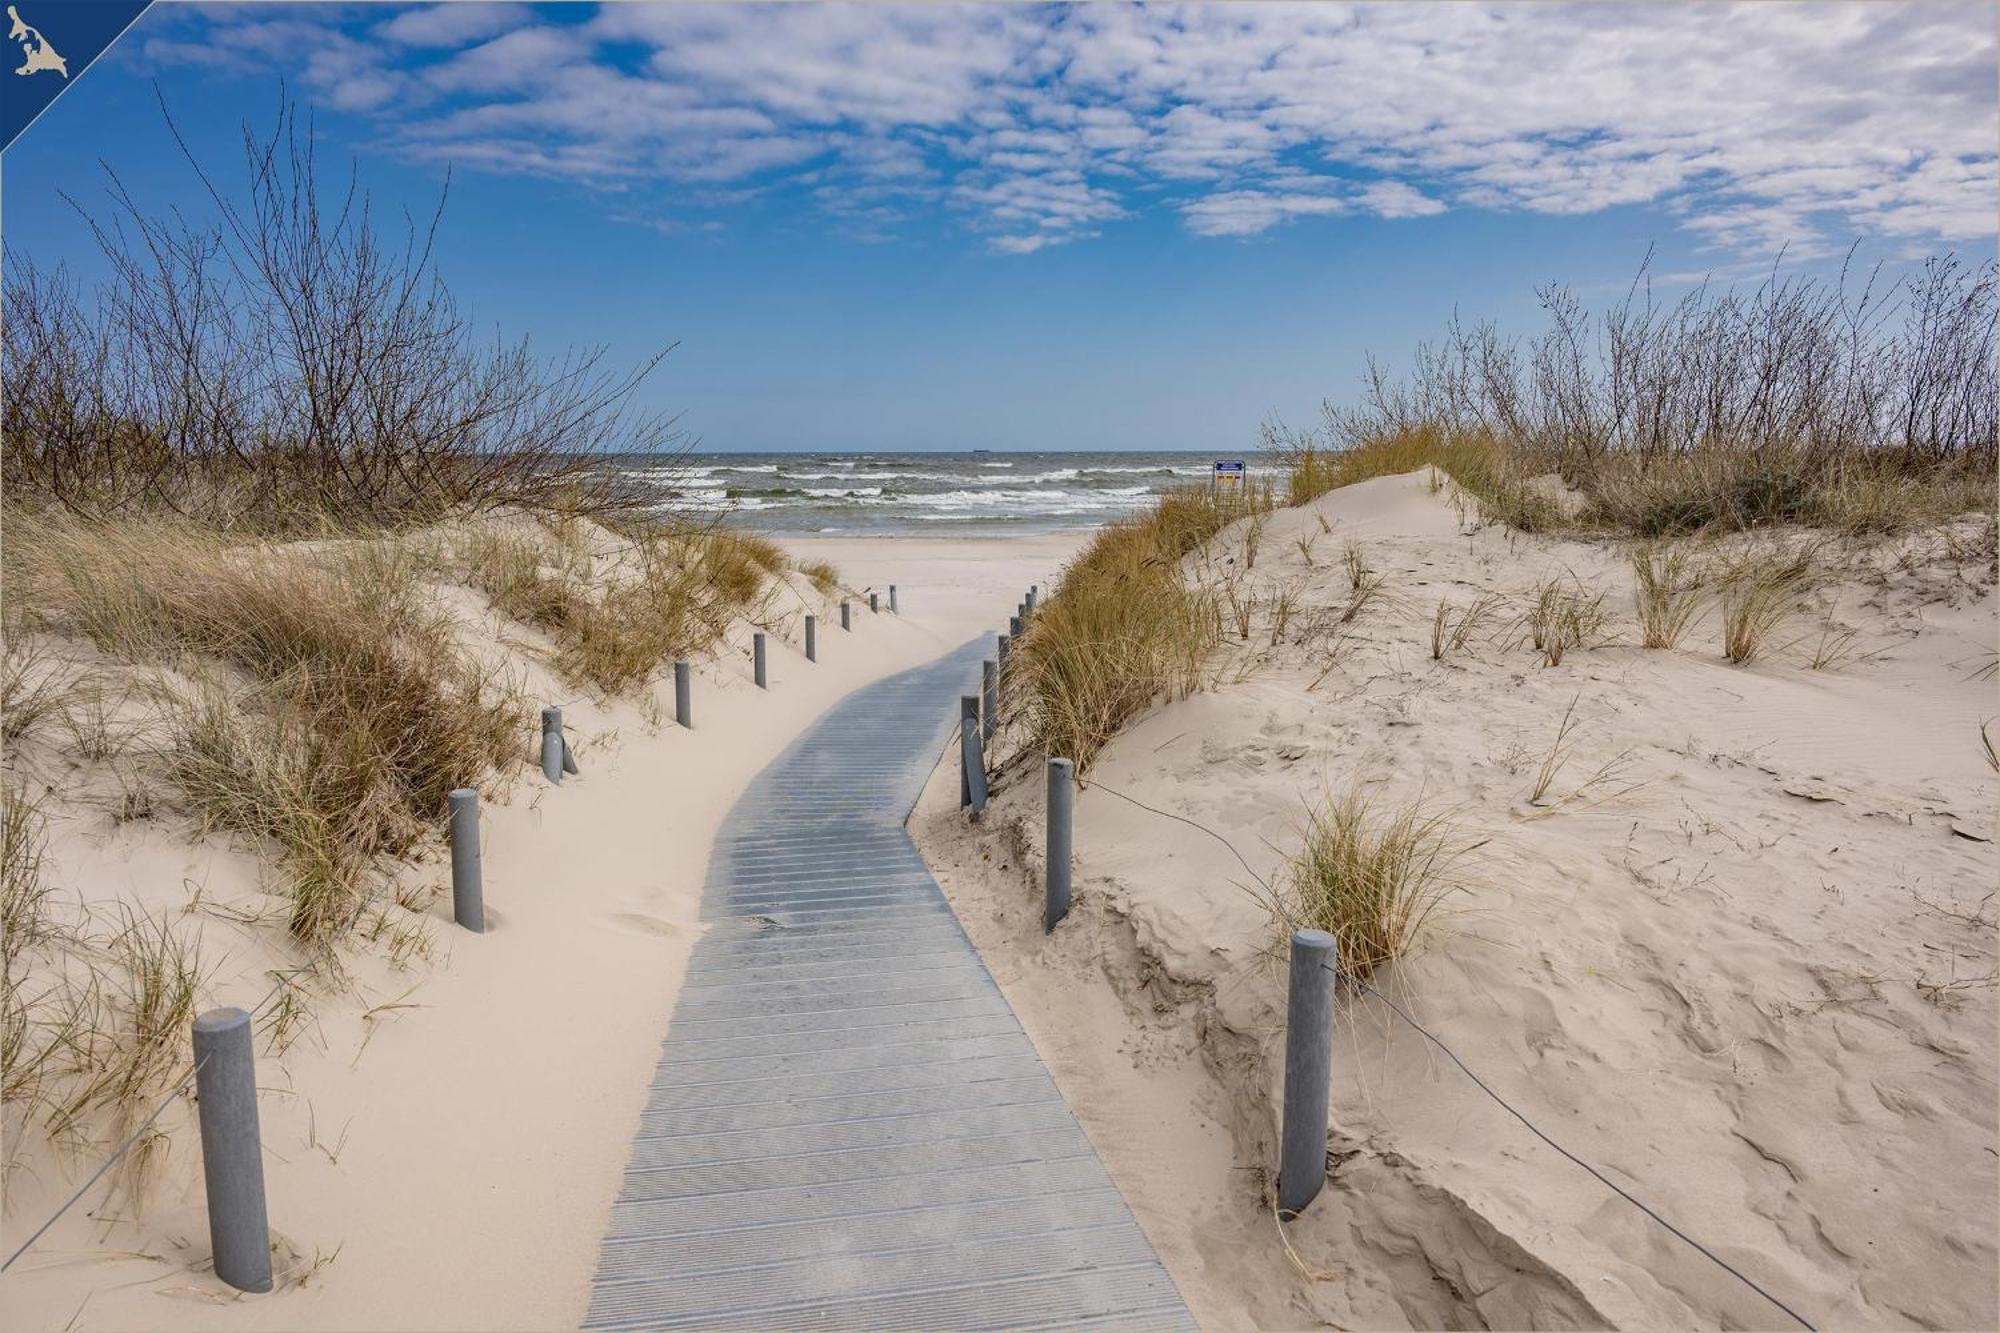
x: 1046, y: 227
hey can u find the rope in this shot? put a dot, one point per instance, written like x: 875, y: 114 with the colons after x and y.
x: 180, y: 1090
x: 1479, y: 1082
x: 108, y: 1163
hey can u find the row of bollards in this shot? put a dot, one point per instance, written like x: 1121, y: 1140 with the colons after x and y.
x: 1309, y: 1006
x: 1308, y: 1012
x: 225, y: 1061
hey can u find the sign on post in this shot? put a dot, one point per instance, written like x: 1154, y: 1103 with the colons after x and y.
x: 1228, y: 476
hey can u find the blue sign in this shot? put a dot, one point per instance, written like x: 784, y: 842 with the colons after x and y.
x: 1228, y: 472
x: 53, y: 41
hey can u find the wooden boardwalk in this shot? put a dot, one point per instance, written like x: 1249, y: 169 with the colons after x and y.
x: 848, y: 1127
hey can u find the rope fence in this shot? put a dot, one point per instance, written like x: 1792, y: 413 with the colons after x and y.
x: 1362, y: 985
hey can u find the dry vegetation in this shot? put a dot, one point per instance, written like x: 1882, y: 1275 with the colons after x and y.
x: 239, y: 471
x: 290, y: 367
x: 1668, y: 590
x: 1372, y: 879
x: 1800, y: 402
x: 671, y: 592
x: 316, y: 696
x: 1123, y: 627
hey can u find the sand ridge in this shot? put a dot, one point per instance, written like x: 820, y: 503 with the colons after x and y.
x: 1740, y: 957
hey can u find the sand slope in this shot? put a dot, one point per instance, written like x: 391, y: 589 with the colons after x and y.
x: 445, y: 1137
x: 1748, y: 970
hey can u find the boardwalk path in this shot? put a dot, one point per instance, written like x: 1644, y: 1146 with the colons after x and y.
x: 848, y: 1127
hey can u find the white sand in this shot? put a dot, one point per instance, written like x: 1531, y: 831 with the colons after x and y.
x: 454, y: 1156
x: 1756, y: 988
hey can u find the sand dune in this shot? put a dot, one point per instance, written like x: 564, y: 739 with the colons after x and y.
x: 1740, y: 956
x: 445, y: 1136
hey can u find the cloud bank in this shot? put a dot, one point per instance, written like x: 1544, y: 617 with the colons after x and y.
x: 1758, y: 126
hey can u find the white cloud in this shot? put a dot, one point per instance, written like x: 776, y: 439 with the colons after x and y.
x: 453, y: 24
x: 1755, y: 125
x: 1393, y: 199
x: 1247, y: 212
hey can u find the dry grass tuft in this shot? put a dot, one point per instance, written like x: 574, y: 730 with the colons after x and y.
x: 1764, y: 589
x: 1364, y: 584
x: 1122, y: 627
x: 1668, y: 591
x: 30, y: 690
x: 823, y: 577
x: 24, y: 893
x: 1372, y: 879
x: 1452, y: 634
x: 1565, y: 615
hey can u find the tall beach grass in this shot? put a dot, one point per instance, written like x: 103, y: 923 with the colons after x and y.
x: 1124, y: 626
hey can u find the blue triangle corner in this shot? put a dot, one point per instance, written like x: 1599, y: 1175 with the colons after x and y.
x: 50, y: 43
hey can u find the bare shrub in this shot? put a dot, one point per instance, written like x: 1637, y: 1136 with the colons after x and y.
x: 1799, y: 401
x: 289, y: 366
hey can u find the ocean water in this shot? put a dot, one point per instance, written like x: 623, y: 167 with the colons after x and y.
x: 936, y: 493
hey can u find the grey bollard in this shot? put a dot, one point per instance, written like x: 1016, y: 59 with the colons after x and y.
x: 468, y: 899
x: 1031, y: 598
x: 1014, y: 627
x: 1062, y: 806
x: 552, y: 744
x: 873, y: 609
x: 892, y: 599
x: 1000, y: 657
x: 812, y: 638
x: 968, y: 716
x: 1308, y: 1071
x: 757, y: 659
x: 989, y: 697
x: 232, y: 1155
x: 683, y: 696
x: 845, y: 623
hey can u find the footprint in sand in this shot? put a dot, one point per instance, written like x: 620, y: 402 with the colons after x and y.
x: 638, y: 923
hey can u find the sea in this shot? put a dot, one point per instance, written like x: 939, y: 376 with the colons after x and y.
x: 994, y: 493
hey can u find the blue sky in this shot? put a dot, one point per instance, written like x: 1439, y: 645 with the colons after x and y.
x: 1105, y: 226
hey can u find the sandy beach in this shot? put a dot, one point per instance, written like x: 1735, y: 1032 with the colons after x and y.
x: 444, y: 1138
x: 1737, y: 950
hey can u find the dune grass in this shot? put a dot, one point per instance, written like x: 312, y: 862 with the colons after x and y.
x: 24, y: 892
x: 331, y: 708
x: 1122, y: 627
x: 668, y: 593
x: 1564, y: 615
x: 1452, y: 631
x: 1763, y: 588
x: 1668, y: 590
x: 823, y: 577
x: 1373, y: 878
